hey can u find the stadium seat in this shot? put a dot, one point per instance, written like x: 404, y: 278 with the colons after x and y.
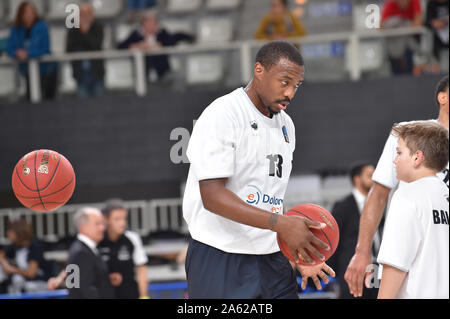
x: 123, y: 30
x: 173, y: 26
x: 371, y: 55
x: 182, y: 6
x: 204, y: 68
x: 107, y: 37
x: 444, y: 61
x: 107, y: 8
x: 6, y: 80
x: 58, y: 37
x: 57, y: 8
x: 222, y: 4
x: 119, y: 74
x: 359, y: 17
x: 68, y: 83
x: 14, y: 4
x: 214, y: 30
x: 337, y: 182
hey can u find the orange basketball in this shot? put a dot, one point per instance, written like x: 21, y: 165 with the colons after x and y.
x: 43, y: 180
x: 329, y: 234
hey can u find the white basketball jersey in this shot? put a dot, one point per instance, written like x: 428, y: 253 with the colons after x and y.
x: 233, y: 139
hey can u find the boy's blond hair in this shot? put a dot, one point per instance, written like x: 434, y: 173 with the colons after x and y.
x: 429, y: 137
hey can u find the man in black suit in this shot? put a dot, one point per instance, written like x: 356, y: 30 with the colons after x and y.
x: 347, y: 213
x: 94, y: 280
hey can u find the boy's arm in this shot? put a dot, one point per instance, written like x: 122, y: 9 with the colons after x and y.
x: 391, y: 282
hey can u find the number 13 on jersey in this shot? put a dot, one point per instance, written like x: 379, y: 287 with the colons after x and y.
x: 275, y: 165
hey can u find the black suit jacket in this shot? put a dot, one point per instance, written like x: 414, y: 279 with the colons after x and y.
x: 347, y: 216
x: 94, y: 277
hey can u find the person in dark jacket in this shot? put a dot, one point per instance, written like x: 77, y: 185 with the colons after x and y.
x: 150, y: 36
x: 29, y: 38
x: 93, y: 276
x: 89, y: 74
x: 437, y: 19
x: 23, y: 261
x: 347, y: 214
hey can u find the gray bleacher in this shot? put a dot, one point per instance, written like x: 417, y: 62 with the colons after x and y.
x: 216, y: 21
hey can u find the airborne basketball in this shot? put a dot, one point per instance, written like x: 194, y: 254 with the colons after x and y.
x: 43, y: 180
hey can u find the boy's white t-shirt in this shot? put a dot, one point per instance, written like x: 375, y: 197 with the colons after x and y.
x: 385, y: 172
x: 416, y: 238
x: 233, y: 139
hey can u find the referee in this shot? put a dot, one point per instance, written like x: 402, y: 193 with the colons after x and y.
x: 122, y: 250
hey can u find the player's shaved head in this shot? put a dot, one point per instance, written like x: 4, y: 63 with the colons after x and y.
x: 271, y: 53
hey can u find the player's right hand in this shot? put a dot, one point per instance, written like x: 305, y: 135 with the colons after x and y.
x: 53, y: 283
x: 356, y: 272
x: 295, y: 231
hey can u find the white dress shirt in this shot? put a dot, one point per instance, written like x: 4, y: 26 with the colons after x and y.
x: 360, y: 199
x: 89, y: 242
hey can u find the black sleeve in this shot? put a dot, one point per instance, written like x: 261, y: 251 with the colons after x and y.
x: 85, y: 263
x: 169, y: 39
x: 430, y: 13
x: 93, y: 40
x: 132, y: 38
x: 70, y: 41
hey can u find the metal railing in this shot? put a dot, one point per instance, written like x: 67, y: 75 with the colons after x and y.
x: 144, y: 217
x: 352, y: 39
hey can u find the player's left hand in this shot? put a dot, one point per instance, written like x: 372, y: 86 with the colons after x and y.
x: 115, y: 278
x: 314, y: 272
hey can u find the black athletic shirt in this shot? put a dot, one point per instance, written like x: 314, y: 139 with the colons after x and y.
x: 123, y: 256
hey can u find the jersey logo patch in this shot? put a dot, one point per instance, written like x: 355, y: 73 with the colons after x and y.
x: 286, y: 137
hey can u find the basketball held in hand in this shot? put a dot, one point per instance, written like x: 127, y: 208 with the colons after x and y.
x: 329, y: 234
x: 43, y: 180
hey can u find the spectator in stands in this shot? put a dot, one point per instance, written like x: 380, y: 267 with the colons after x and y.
x: 89, y: 74
x: 437, y: 20
x: 396, y: 14
x: 347, y: 213
x: 279, y: 23
x: 93, y: 272
x: 22, y: 263
x: 149, y: 36
x: 124, y: 253
x: 29, y: 38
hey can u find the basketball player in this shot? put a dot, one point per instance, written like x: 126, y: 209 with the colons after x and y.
x: 385, y: 180
x: 123, y: 252
x: 415, y: 247
x: 241, y: 153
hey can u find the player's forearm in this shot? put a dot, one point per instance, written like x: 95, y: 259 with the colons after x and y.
x: 392, y: 280
x: 141, y: 274
x: 220, y: 200
x: 371, y: 216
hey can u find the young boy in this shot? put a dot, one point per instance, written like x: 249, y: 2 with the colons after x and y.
x: 415, y: 247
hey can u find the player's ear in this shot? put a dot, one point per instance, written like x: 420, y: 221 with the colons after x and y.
x: 259, y: 70
x: 442, y: 98
x: 418, y: 158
